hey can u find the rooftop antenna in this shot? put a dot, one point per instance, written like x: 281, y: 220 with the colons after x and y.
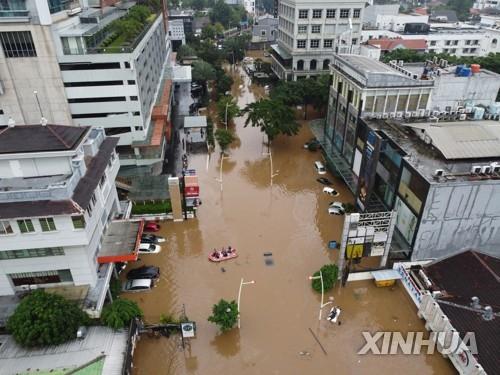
x: 38, y: 102
x: 11, y: 123
x: 475, y: 303
x: 488, y: 313
x: 43, y: 121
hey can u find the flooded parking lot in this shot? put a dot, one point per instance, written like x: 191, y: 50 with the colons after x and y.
x: 289, y: 219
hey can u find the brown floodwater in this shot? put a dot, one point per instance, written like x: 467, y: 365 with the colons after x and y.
x: 288, y: 218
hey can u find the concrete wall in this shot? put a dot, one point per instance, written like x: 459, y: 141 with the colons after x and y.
x: 35, y: 167
x: 458, y: 216
x: 371, y: 12
x: 21, y: 76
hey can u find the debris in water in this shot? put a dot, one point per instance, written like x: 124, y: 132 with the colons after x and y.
x: 268, y: 254
x: 223, y: 269
x: 304, y: 353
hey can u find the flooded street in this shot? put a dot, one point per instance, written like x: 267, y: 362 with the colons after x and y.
x: 290, y: 220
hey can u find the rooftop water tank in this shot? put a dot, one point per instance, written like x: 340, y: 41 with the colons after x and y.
x: 465, y: 72
x: 476, y: 68
x: 458, y: 69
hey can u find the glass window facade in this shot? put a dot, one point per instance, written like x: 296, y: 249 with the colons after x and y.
x: 31, y: 253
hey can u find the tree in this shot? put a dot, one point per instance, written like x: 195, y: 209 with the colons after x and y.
x: 330, y: 273
x: 184, y: 51
x: 43, y: 319
x: 119, y: 313
x: 223, y: 82
x: 224, y: 314
x: 234, y: 47
x: 227, y: 108
x: 224, y: 138
x: 198, y: 4
x: 273, y: 117
x: 208, y: 32
x: 203, y: 71
x: 221, y: 12
x: 139, y: 13
x: 208, y: 52
x: 219, y: 29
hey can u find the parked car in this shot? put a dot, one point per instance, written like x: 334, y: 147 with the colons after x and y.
x: 336, y: 208
x: 312, y: 145
x: 151, y: 238
x: 320, y: 168
x: 138, y: 285
x: 267, y: 54
x: 149, y: 248
x: 330, y: 191
x: 151, y: 226
x: 144, y: 272
x: 324, y: 181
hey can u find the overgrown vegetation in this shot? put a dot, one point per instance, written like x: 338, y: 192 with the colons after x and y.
x: 224, y: 314
x: 330, y: 273
x: 145, y: 208
x: 118, y: 314
x: 224, y: 138
x: 43, y: 319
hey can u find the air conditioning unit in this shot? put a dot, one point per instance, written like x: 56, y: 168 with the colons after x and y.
x: 385, y: 116
x: 453, y: 113
x: 447, y: 108
x: 407, y: 114
x: 462, y: 117
x: 442, y: 114
x: 495, y: 168
x: 486, y: 169
x: 414, y: 114
x: 73, y: 11
x: 392, y: 115
x: 421, y: 113
x: 439, y: 173
x: 434, y: 119
x: 461, y: 110
x: 399, y: 114
x: 476, y: 169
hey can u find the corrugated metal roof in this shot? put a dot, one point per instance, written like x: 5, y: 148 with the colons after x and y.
x: 195, y: 121
x: 465, y: 140
x: 99, y: 341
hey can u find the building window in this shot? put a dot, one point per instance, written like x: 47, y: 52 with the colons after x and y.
x: 313, y: 65
x: 5, y: 228
x: 344, y: 13
x: 45, y: 277
x: 316, y: 29
x: 303, y: 13
x: 302, y: 29
x: 301, y: 44
x: 315, y: 43
x: 328, y: 43
x: 18, y: 44
x: 78, y: 222
x: 356, y: 13
x: 31, y: 253
x: 26, y: 226
x: 317, y: 13
x: 263, y: 32
x: 47, y: 224
x: 300, y: 65
x: 131, y: 82
x: 134, y: 98
x: 326, y: 64
x: 354, y: 41
x: 102, y: 181
x: 433, y: 42
x: 330, y: 13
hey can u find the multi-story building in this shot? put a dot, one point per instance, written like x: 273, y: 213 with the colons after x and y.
x: 310, y: 31
x: 176, y: 34
x: 57, y: 199
x: 264, y: 30
x: 381, y: 123
x: 83, y: 73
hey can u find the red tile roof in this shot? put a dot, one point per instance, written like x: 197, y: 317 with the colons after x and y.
x: 387, y: 44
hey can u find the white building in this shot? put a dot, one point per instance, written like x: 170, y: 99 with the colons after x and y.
x: 387, y: 17
x: 176, y: 33
x: 483, y: 4
x: 310, y: 31
x: 81, y: 79
x: 57, y: 199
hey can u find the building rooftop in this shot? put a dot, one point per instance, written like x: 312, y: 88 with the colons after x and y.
x: 195, y: 122
x: 13, y: 210
x: 39, y: 138
x: 427, y: 157
x: 99, y: 343
x: 388, y: 44
x: 121, y: 241
x: 369, y: 72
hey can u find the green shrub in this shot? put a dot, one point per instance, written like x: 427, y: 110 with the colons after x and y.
x: 119, y: 313
x: 224, y: 314
x: 152, y: 208
x: 43, y: 319
x: 330, y: 273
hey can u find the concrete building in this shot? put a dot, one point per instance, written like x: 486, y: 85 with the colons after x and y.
x: 389, y: 45
x: 310, y: 31
x: 264, y: 30
x: 176, y: 34
x: 57, y: 199
x: 387, y: 17
x: 187, y: 17
x: 378, y: 136
x: 80, y: 79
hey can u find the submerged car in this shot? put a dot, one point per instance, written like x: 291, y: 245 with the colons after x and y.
x: 330, y: 191
x: 151, y: 238
x: 312, y: 145
x: 149, y: 248
x: 138, y: 285
x: 144, y: 272
x: 324, y: 181
x: 151, y: 226
x: 336, y: 208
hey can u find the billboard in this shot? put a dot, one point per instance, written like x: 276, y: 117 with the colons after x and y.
x: 368, y: 168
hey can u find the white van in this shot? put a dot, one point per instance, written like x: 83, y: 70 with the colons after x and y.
x: 320, y: 168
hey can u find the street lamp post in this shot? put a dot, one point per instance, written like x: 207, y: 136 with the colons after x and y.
x: 320, y: 277
x: 239, y: 297
x: 272, y: 174
x: 222, y: 157
x: 227, y: 104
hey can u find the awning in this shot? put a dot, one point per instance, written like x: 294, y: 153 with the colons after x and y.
x: 181, y: 73
x: 384, y: 275
x: 121, y: 242
x: 285, y: 55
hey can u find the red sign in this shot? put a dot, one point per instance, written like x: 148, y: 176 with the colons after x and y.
x: 192, y: 191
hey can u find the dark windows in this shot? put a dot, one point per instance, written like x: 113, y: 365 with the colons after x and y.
x: 134, y: 98
x: 314, y: 43
x: 313, y: 64
x: 132, y: 82
x: 301, y: 44
x: 98, y: 100
x: 302, y: 29
x: 303, y: 13
x: 78, y: 222
x: 330, y: 13
x: 47, y: 224
x: 344, y: 13
x: 300, y: 65
x: 18, y: 44
x: 5, y: 228
x: 317, y: 13
x: 93, y: 83
x: 89, y: 66
x: 116, y: 131
x: 127, y: 64
x: 45, y: 277
x: 92, y: 115
x: 31, y: 253
x: 356, y: 13
x: 26, y: 226
x: 315, y: 29
x: 328, y: 43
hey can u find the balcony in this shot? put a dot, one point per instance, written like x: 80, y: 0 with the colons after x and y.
x: 14, y: 11
x: 71, y: 6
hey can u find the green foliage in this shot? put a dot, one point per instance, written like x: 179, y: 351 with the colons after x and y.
x: 198, y: 4
x: 330, y: 274
x: 184, y: 51
x: 208, y: 32
x: 119, y: 313
x: 221, y: 12
x: 208, y: 52
x: 223, y: 82
x: 224, y: 138
x: 461, y: 7
x: 235, y: 46
x: 210, y: 132
x: 349, y: 207
x: 224, y: 314
x: 145, y: 208
x: 115, y: 287
x: 227, y: 108
x: 273, y: 117
x: 203, y: 71
x: 45, y: 319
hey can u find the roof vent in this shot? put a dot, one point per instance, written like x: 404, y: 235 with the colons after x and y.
x: 475, y: 303
x: 11, y: 123
x: 43, y: 121
x: 488, y: 313
x: 81, y: 333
